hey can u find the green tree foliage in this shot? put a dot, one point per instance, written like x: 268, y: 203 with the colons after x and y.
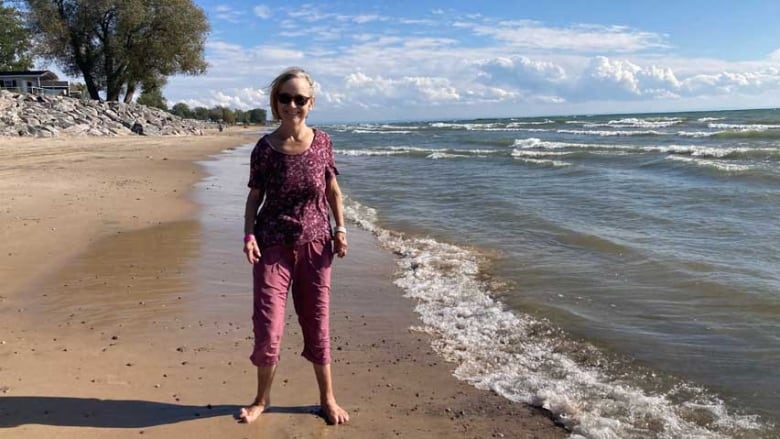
x: 257, y: 115
x: 240, y: 115
x: 200, y: 113
x: 222, y: 114
x: 152, y: 97
x: 15, y: 41
x: 218, y: 114
x: 182, y: 110
x: 119, y: 45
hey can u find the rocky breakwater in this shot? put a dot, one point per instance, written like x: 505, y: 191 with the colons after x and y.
x: 24, y: 114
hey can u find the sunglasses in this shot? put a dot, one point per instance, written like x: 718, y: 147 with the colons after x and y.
x: 300, y: 100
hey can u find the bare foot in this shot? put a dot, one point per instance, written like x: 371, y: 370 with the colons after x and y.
x: 250, y: 413
x: 334, y: 414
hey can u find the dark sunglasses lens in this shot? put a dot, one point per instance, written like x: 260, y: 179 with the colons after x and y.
x: 285, y: 99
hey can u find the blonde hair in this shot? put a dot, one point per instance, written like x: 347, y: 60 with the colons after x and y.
x: 278, y: 82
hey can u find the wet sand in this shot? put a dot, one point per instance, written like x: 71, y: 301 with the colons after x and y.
x: 121, y: 315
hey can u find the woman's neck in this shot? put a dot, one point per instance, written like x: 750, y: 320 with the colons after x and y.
x: 294, y: 132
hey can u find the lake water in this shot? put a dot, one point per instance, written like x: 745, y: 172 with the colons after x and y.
x: 621, y: 271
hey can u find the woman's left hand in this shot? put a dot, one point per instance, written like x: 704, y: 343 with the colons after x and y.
x: 340, y: 244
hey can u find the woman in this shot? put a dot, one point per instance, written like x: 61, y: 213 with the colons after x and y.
x: 289, y: 240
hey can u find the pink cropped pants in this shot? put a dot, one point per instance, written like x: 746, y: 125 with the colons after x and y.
x: 307, y: 268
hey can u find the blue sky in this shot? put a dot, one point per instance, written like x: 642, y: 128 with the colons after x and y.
x: 413, y: 60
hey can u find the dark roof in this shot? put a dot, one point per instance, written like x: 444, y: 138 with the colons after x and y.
x: 40, y: 73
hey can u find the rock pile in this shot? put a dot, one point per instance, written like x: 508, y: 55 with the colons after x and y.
x: 48, y: 116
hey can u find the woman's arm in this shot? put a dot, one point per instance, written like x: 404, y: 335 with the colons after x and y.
x: 251, y: 248
x: 333, y: 194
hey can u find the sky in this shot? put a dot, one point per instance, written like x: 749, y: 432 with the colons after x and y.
x: 436, y: 60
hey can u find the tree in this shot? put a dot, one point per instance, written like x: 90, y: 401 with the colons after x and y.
x: 257, y: 115
x: 240, y: 115
x: 182, y: 110
x: 153, y: 97
x: 15, y: 41
x: 119, y: 45
x: 200, y: 113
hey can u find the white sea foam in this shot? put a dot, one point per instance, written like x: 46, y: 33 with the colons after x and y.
x: 743, y: 127
x: 466, y: 126
x: 413, y: 150
x: 714, y: 164
x: 712, y: 151
x: 697, y: 133
x: 532, y: 153
x: 709, y: 119
x: 445, y: 155
x: 367, y: 131
x: 513, y: 126
x: 368, y: 152
x: 604, y: 133
x: 526, y: 360
x: 534, y: 143
x: 539, y: 122
x: 544, y: 162
x: 633, y: 122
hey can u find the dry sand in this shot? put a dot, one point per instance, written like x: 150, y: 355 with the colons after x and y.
x: 120, y: 317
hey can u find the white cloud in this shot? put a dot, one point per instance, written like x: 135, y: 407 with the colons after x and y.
x: 262, y: 11
x: 622, y: 79
x: 530, y: 34
x: 732, y: 82
x: 361, y: 64
x: 407, y: 89
x: 521, y: 72
x: 227, y: 13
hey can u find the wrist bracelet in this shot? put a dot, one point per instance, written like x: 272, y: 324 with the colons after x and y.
x: 249, y: 237
x: 340, y: 229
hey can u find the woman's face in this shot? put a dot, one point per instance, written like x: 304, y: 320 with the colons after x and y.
x: 295, y: 100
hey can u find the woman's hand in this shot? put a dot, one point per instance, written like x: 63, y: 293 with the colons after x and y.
x: 252, y: 251
x: 340, y: 244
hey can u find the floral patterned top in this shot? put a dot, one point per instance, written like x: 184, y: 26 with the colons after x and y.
x: 295, y: 210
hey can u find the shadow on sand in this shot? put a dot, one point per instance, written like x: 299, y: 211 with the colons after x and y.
x: 112, y: 413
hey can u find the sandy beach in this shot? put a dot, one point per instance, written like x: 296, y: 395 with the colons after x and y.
x: 119, y: 317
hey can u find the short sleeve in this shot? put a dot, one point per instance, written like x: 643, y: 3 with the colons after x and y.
x: 255, y: 169
x: 330, y: 161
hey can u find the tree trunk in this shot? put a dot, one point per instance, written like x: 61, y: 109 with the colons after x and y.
x: 130, y: 91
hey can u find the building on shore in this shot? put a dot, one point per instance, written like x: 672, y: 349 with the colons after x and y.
x: 39, y: 82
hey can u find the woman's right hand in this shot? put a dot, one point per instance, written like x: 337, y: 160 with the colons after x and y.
x: 252, y: 251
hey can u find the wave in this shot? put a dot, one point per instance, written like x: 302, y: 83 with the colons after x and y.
x: 367, y: 152
x: 718, y: 152
x: 697, y: 134
x: 537, y: 122
x: 369, y: 131
x: 375, y: 128
x: 632, y: 122
x: 748, y: 134
x: 713, y: 164
x: 466, y: 126
x: 414, y: 151
x: 446, y: 155
x: 744, y: 127
x: 544, y: 162
x: 604, y: 133
x: 525, y: 359
x: 535, y: 143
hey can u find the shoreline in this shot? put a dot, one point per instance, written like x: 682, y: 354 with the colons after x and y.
x: 131, y: 334
x: 61, y: 194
